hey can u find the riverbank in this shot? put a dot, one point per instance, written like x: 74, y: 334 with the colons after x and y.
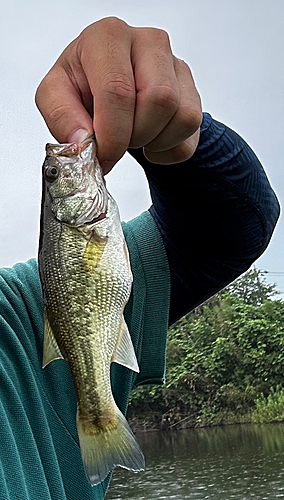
x: 269, y: 409
x: 224, y: 364
x: 179, y: 421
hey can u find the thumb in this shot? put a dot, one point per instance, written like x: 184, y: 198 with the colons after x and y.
x: 60, y: 104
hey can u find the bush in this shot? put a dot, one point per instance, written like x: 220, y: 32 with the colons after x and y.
x: 270, y: 408
x: 223, y: 358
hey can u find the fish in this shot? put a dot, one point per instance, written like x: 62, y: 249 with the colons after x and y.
x: 86, y: 280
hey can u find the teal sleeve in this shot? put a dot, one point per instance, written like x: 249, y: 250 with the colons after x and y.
x: 40, y: 455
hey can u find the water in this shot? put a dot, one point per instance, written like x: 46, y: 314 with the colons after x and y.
x: 240, y: 462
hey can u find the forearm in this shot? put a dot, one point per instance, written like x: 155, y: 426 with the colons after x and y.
x: 216, y: 213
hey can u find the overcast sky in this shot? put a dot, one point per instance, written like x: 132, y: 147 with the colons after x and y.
x: 235, y: 51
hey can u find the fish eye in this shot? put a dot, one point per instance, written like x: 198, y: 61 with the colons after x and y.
x: 51, y: 173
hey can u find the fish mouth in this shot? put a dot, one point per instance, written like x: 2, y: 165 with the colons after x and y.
x: 70, y: 149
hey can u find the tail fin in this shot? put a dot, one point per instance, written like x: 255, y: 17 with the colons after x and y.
x: 102, y: 451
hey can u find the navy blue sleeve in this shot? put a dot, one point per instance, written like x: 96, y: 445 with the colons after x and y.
x: 216, y: 213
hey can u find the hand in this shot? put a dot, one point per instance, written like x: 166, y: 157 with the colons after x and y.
x: 125, y: 84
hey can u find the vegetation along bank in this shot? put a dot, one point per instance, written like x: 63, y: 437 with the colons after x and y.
x: 225, y: 363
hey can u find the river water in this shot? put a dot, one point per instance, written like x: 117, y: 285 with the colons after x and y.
x: 240, y: 462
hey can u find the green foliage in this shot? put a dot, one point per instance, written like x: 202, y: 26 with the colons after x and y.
x: 270, y: 408
x: 222, y: 356
x: 252, y: 288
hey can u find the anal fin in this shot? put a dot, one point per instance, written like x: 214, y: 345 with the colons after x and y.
x: 124, y: 353
x: 51, y: 349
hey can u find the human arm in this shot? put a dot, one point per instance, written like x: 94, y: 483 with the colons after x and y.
x: 216, y: 213
x: 215, y: 210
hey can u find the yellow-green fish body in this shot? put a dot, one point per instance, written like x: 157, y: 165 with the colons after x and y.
x: 86, y: 279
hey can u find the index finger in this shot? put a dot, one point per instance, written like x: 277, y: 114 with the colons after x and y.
x: 96, y: 66
x: 60, y: 103
x: 105, y: 53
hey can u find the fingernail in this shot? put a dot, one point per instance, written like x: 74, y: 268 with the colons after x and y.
x: 79, y: 135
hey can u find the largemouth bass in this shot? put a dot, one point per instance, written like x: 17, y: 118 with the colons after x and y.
x: 86, y: 280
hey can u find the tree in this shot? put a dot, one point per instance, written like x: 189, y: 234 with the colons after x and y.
x: 252, y: 287
x: 221, y: 358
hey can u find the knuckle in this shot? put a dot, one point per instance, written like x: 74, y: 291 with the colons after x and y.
x: 196, y: 118
x: 57, y: 114
x: 182, y: 64
x: 41, y: 91
x: 107, y: 24
x: 161, y: 35
x: 112, y: 22
x: 38, y: 96
x: 119, y: 86
x: 190, y: 119
x: 165, y: 96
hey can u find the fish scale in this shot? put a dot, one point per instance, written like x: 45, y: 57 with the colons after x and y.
x: 86, y: 280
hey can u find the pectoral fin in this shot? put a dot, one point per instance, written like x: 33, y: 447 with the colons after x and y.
x: 51, y: 349
x: 124, y: 353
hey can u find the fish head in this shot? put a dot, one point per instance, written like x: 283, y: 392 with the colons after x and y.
x: 74, y: 181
